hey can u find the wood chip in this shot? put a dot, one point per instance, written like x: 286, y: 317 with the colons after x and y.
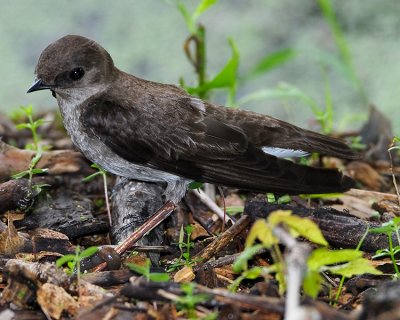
x: 54, y: 300
x: 186, y: 274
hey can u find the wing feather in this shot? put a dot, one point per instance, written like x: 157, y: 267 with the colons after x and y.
x: 172, y: 134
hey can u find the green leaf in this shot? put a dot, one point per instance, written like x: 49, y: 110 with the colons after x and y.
x: 387, y: 227
x: 36, y: 159
x: 280, y: 276
x: 158, y: 277
x: 320, y: 196
x: 271, y: 197
x: 203, y: 6
x: 88, y: 252
x: 190, y: 300
x: 227, y: 76
x: 324, y: 257
x: 262, y: 231
x: 354, y: 267
x: 27, y: 110
x: 20, y: 174
x: 143, y: 270
x: 234, y: 210
x: 38, y: 187
x: 23, y: 126
x: 91, y: 177
x: 381, y: 253
x: 71, y: 266
x: 312, y: 283
x: 302, y: 226
x: 64, y: 259
x: 247, y: 254
x: 195, y: 185
x: 284, y: 199
x: 189, y: 230
x: 186, y: 255
x: 255, y: 272
x: 30, y: 146
x: 396, y: 250
x: 272, y: 61
x: 96, y: 166
x: 38, y: 171
x: 187, y: 17
x: 38, y: 122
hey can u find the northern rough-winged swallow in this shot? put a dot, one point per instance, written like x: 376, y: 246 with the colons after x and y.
x: 159, y: 133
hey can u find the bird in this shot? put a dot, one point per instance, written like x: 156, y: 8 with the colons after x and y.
x: 154, y: 132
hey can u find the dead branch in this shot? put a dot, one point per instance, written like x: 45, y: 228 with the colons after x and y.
x: 224, y: 239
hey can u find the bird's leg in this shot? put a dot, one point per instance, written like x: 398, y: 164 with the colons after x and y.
x: 121, y: 182
x: 176, y: 189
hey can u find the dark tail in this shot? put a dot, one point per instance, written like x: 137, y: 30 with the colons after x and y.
x: 316, y: 142
x: 261, y: 172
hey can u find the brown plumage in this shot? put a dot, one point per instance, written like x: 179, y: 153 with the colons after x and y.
x: 156, y: 132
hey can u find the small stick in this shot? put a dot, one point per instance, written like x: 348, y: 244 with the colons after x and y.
x: 296, y: 265
x: 107, y: 201
x: 223, y: 261
x: 262, y: 303
x: 224, y: 239
x: 149, y: 225
x: 211, y: 204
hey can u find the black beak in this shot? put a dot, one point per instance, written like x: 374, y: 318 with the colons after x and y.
x: 38, y: 85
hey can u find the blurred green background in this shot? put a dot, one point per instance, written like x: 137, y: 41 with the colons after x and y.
x: 145, y: 38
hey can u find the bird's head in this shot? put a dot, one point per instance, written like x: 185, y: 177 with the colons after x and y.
x: 72, y: 62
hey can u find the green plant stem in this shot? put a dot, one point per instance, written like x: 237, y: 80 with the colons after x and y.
x: 340, y: 288
x: 396, y: 269
x: 78, y: 268
x: 188, y: 247
x: 198, y: 59
x: 277, y: 257
x: 34, y: 135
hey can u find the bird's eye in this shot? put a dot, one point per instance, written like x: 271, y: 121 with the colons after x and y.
x: 76, y: 73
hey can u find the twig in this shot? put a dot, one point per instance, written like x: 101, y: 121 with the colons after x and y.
x: 224, y: 239
x: 223, y: 261
x: 211, y: 204
x: 265, y: 304
x: 296, y: 267
x: 149, y: 225
x: 107, y: 201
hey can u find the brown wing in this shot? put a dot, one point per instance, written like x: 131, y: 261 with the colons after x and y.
x: 177, y: 136
x: 266, y: 131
